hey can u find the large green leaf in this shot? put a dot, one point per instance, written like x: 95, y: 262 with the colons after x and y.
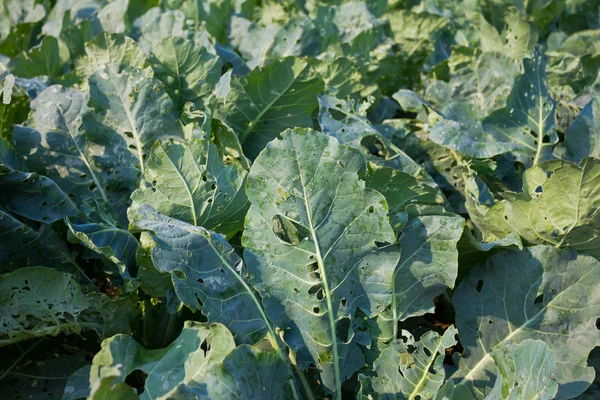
x: 188, y: 69
x: 44, y: 59
x: 202, y: 362
x: 132, y: 105
x: 194, y: 182
x: 206, y: 273
x: 516, y: 39
x: 38, y: 301
x: 29, y: 194
x: 409, y: 369
x: 538, y: 293
x: 108, y: 48
x: 525, y: 126
x: 582, y: 139
x: 558, y: 206
x: 311, y: 239
x: 400, y: 190
x: 29, y: 246
x: 268, y: 100
x: 525, y: 371
x: 115, y: 246
x: 54, y: 143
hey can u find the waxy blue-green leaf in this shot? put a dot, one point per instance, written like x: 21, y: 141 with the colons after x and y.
x: 183, y: 362
x: 524, y: 372
x: 525, y: 126
x: 311, y: 248
x: 400, y: 189
x: 132, y: 108
x: 188, y: 69
x: 206, y: 273
x: 538, y: 293
x: 411, y: 369
x: 28, y: 246
x: 582, y: 139
x: 517, y: 38
x: 193, y: 182
x: 54, y: 143
x: 202, y: 362
x: 114, y: 245
x: 109, y: 48
x: 39, y: 301
x: 268, y: 100
x: 29, y: 194
x: 251, y: 39
x: 348, y: 123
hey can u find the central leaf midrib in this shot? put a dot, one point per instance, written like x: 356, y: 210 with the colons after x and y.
x: 187, y: 188
x: 82, y: 156
x: 134, y: 132
x: 321, y: 265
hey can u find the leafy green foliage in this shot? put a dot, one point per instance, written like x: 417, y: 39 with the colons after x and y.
x: 348, y: 199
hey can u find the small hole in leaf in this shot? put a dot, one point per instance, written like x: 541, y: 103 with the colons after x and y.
x: 316, y: 310
x: 479, y: 286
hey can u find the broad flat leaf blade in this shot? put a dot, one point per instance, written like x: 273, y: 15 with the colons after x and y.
x: 29, y: 194
x: 194, y: 182
x: 109, y: 48
x: 188, y: 69
x: 132, y: 108
x: 524, y: 371
x: 39, y: 301
x: 205, y: 271
x: 310, y: 246
x: 54, y: 143
x: 525, y: 126
x: 538, y: 293
x: 268, y: 100
x: 559, y: 206
x: 404, y: 373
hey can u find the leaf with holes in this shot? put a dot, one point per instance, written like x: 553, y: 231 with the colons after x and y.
x: 268, y: 100
x: 539, y: 293
x: 194, y: 183
x: 131, y: 108
x: 312, y: 245
x: 411, y: 369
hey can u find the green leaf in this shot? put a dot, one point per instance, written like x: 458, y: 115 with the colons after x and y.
x: 348, y: 123
x: 29, y: 194
x: 525, y: 371
x: 582, y: 139
x: 29, y: 246
x: 109, y: 48
x: 247, y: 374
x: 193, y: 182
x: 206, y: 273
x: 312, y: 288
x: 268, y: 100
x: 115, y: 246
x: 38, y: 301
x: 558, y: 206
x: 400, y: 190
x: 188, y: 69
x: 251, y: 39
x: 516, y: 39
x: 538, y: 293
x: 409, y: 369
x: 44, y: 59
x: 54, y: 143
x: 202, y: 362
x: 152, y: 281
x: 525, y: 126
x: 133, y: 106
